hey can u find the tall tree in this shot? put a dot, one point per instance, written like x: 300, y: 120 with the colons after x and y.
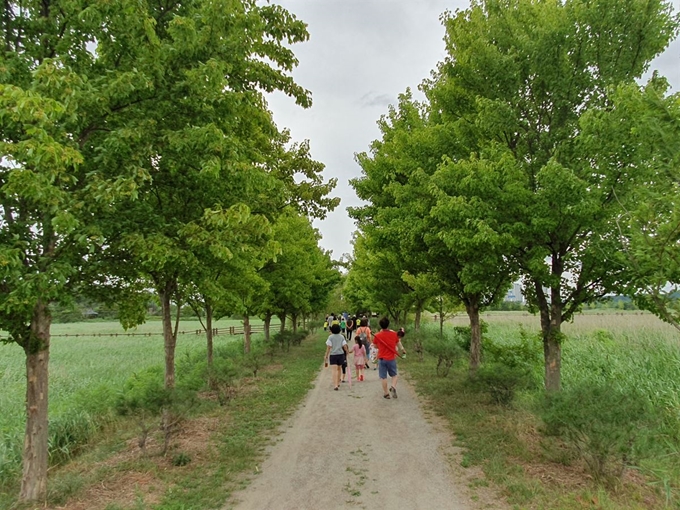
x: 646, y: 121
x: 51, y: 194
x: 301, y: 277
x: 219, y: 164
x: 101, y: 98
x: 518, y: 79
x: 418, y: 194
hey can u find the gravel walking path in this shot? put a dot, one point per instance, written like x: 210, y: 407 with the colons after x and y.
x: 353, y: 449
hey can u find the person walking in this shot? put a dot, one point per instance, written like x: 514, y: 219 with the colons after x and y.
x: 351, y: 324
x: 387, y: 342
x: 359, y: 352
x: 364, y: 334
x: 336, y: 354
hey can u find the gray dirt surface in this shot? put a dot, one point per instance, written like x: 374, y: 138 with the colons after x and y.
x: 353, y: 449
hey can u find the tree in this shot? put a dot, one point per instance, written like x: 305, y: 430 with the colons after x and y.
x: 519, y: 78
x: 132, y: 131
x: 374, y: 281
x: 646, y: 121
x: 219, y: 165
x: 418, y: 197
x: 50, y: 193
x: 301, y: 277
x: 424, y: 287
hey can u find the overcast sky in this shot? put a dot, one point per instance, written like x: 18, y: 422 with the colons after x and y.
x: 360, y: 56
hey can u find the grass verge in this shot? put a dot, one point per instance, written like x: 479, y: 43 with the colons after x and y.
x: 212, y: 454
x: 531, y: 469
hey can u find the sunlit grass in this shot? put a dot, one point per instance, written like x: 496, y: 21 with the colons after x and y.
x: 625, y: 350
x: 85, y: 373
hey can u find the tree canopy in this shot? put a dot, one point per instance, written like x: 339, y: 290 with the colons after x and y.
x: 515, y: 163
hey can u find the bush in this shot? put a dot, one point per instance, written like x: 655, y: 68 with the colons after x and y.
x: 447, y: 350
x: 299, y: 336
x: 145, y: 397
x: 283, y: 339
x: 143, y: 394
x: 464, y: 335
x: 181, y: 459
x: 502, y: 381
x: 416, y: 342
x: 602, y: 423
x: 222, y: 377
x: 526, y: 354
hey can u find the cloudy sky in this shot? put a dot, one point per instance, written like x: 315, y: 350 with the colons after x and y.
x: 360, y: 56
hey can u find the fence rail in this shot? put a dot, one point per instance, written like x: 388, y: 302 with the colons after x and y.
x: 231, y: 330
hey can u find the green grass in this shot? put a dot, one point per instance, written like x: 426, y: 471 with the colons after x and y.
x: 85, y: 374
x: 249, y: 419
x: 535, y: 470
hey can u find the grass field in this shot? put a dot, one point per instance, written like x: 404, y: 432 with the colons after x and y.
x: 86, y: 372
x: 630, y: 352
x: 610, y: 363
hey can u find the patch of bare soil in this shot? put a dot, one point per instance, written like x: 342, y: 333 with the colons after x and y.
x: 126, y: 485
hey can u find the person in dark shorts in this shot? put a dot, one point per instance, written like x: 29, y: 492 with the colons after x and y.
x: 336, y: 354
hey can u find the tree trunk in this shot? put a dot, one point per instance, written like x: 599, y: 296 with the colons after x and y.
x: 293, y: 318
x: 209, y: 332
x: 165, y: 294
x: 246, y: 334
x: 419, y: 311
x: 441, y: 317
x: 552, y: 344
x: 551, y: 330
x: 267, y: 325
x: 475, y: 335
x: 37, y: 349
x: 283, y: 322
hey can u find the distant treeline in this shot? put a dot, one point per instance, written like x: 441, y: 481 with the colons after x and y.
x: 610, y: 303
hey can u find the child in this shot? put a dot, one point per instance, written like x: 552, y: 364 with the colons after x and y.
x: 359, y: 358
x: 401, y: 334
x: 364, y: 333
x: 336, y: 354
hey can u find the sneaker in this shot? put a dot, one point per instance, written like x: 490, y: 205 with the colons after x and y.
x: 393, y: 391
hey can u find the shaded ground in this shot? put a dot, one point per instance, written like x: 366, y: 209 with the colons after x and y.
x: 352, y: 448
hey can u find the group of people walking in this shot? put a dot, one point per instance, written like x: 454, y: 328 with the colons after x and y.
x: 381, y: 348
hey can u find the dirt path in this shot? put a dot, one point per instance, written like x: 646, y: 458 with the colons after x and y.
x: 353, y: 449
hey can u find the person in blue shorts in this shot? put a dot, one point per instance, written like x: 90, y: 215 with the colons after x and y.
x: 387, y: 342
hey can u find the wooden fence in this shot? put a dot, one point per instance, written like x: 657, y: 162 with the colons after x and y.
x: 231, y: 330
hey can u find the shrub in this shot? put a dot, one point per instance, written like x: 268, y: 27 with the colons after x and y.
x: 502, y: 381
x: 299, y: 336
x: 601, y: 422
x: 526, y: 354
x: 416, y: 342
x: 283, y: 339
x: 222, y: 376
x: 145, y: 398
x: 181, y: 459
x: 143, y: 394
x: 447, y: 350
